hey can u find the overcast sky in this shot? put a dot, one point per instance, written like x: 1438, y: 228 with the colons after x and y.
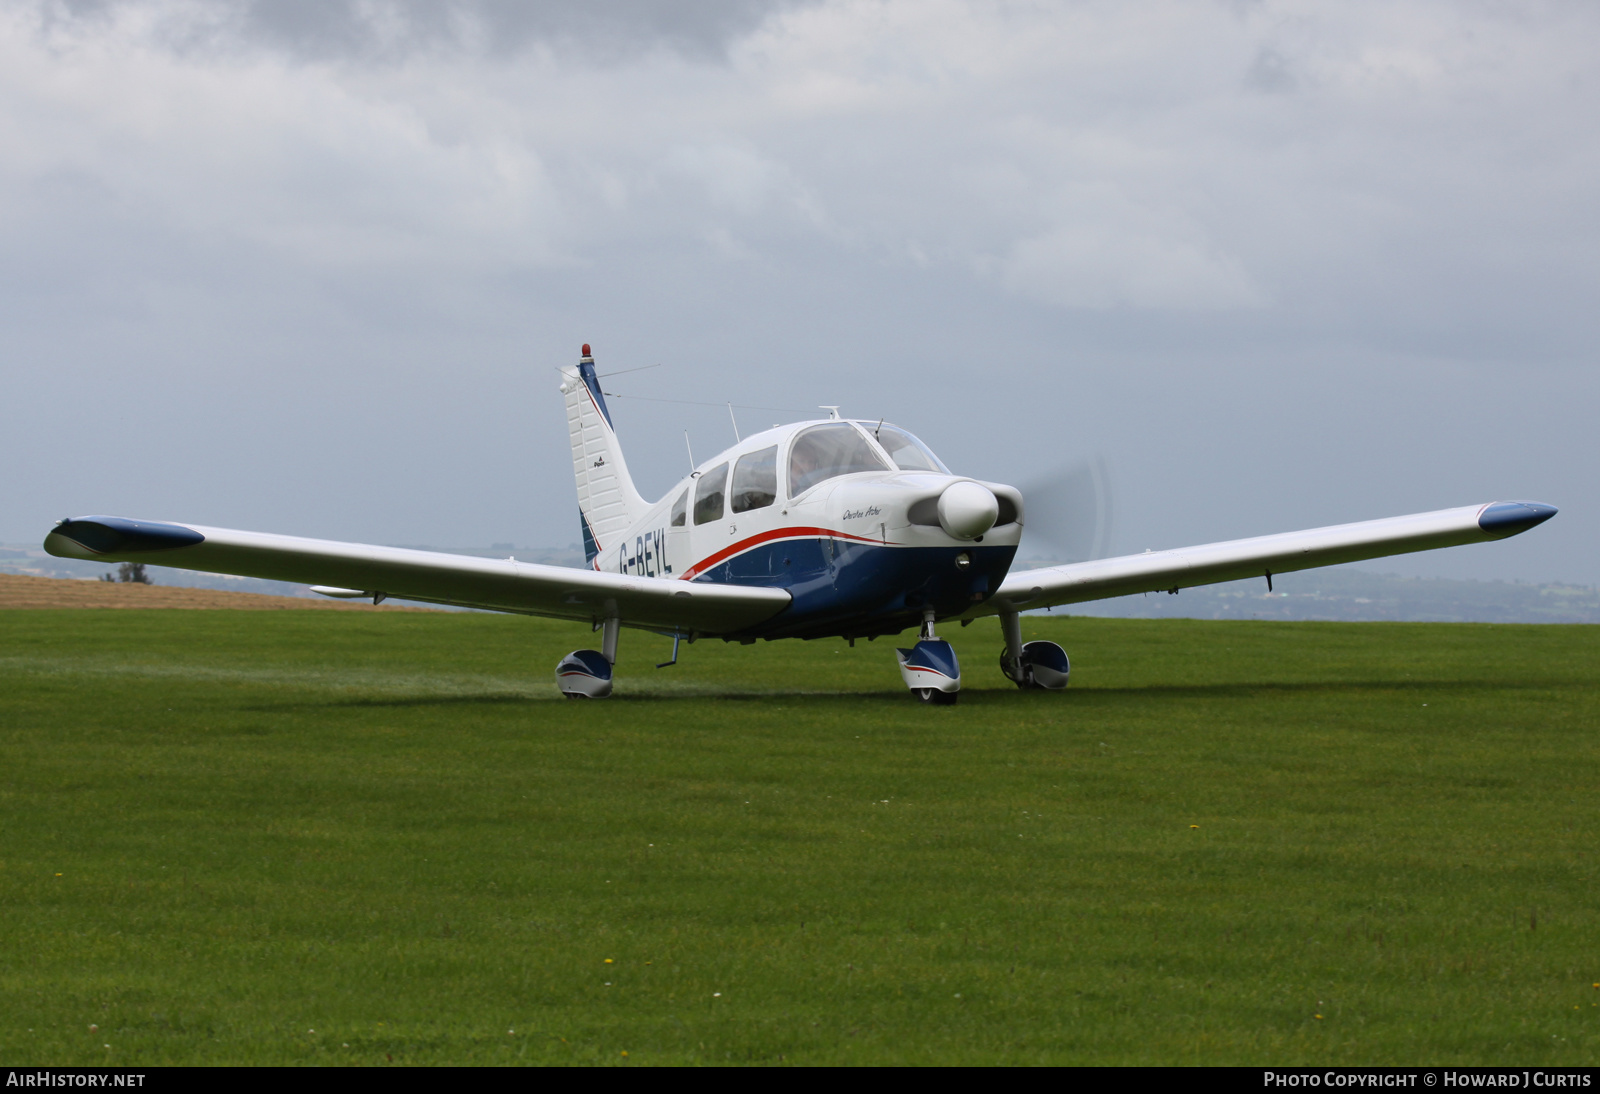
x: 309, y: 267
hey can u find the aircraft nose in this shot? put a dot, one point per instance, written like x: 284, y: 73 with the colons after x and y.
x: 1507, y: 518
x: 967, y: 510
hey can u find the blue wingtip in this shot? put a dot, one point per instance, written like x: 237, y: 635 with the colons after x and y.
x: 119, y: 535
x: 1507, y: 518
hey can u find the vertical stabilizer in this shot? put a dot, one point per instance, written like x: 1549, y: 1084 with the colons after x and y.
x: 607, y: 501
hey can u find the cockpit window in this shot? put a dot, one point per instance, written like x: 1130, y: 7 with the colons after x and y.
x: 679, y: 508
x: 825, y: 451
x: 755, y: 480
x: 908, y: 453
x: 708, y: 494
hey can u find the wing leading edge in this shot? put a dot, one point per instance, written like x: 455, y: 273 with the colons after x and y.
x: 503, y: 585
x: 1208, y: 564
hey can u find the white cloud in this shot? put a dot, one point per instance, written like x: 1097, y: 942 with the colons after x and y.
x: 290, y: 160
x: 1106, y: 263
x: 1094, y: 156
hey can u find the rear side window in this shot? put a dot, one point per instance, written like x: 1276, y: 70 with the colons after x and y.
x: 679, y: 509
x: 755, y: 480
x: 708, y: 494
x: 824, y: 451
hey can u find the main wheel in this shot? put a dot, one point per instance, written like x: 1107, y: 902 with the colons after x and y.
x: 1006, y: 669
x: 584, y: 674
x: 936, y: 697
x: 1043, y: 666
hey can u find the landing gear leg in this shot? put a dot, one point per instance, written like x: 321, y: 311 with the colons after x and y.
x: 930, y: 668
x: 1011, y: 656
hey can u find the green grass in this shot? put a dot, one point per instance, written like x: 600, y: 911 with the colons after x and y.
x: 224, y: 830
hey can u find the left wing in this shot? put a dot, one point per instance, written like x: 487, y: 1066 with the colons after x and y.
x: 357, y: 569
x: 1185, y: 567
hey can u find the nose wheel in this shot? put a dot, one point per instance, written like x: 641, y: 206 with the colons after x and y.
x: 930, y: 668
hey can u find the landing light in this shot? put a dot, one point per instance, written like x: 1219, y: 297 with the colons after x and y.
x: 963, y: 560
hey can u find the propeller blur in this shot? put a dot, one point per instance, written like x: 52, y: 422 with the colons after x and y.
x: 825, y: 528
x: 1069, y: 513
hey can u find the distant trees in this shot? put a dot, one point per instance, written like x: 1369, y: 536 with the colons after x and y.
x: 130, y: 572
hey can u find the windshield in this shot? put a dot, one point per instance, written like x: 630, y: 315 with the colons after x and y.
x: 825, y: 451
x: 908, y: 453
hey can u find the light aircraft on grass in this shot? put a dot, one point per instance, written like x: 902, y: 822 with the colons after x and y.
x: 819, y: 529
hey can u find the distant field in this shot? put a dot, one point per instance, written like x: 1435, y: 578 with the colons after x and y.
x: 367, y: 837
x: 17, y: 591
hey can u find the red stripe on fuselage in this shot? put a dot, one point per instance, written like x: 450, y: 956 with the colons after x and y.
x: 767, y: 537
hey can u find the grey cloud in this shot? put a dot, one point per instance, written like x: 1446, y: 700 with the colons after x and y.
x: 604, y: 30
x: 1270, y: 72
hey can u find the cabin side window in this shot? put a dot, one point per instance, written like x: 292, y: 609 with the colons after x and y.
x: 755, y: 480
x: 680, y: 509
x: 825, y: 451
x: 708, y: 494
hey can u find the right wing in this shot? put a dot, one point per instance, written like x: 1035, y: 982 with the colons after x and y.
x: 1184, y: 567
x: 502, y: 585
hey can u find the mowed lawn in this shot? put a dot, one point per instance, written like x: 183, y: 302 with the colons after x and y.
x: 324, y: 838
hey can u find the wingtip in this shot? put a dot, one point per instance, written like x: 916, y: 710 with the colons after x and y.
x: 1508, y: 518
x: 98, y: 537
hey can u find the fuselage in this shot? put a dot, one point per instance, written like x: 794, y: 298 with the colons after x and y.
x: 859, y: 521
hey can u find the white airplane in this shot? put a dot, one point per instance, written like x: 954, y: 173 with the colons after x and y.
x: 819, y: 529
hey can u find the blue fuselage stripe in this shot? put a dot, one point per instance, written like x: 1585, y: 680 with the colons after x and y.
x: 862, y: 589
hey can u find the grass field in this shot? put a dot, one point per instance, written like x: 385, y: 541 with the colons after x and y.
x: 1226, y: 843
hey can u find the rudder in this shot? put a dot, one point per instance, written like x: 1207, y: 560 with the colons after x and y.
x: 608, y: 504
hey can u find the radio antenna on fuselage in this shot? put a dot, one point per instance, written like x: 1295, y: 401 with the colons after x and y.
x: 833, y: 412
x: 735, y: 421
x: 690, y: 447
